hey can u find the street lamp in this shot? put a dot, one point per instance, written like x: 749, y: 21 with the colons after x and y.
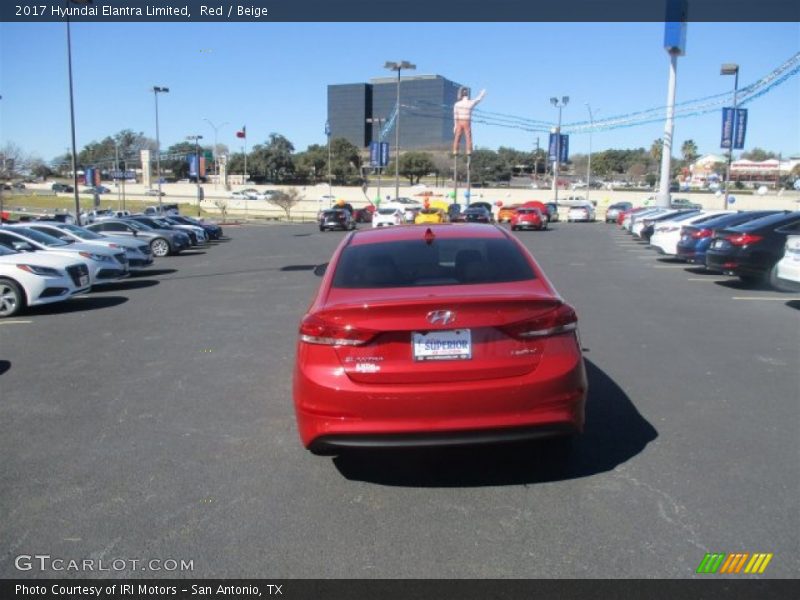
x: 196, y: 139
x: 215, y: 128
x: 156, y: 91
x: 559, y: 105
x: 589, y: 162
x: 397, y: 66
x: 72, y: 118
x: 731, y: 69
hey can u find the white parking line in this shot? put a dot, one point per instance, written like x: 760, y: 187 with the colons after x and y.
x: 669, y: 266
x: 708, y: 279
x: 14, y: 322
x: 778, y: 298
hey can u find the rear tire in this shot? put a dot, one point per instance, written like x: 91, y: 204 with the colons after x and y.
x: 12, y: 298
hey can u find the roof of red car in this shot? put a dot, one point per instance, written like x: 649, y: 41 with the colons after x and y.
x: 412, y: 232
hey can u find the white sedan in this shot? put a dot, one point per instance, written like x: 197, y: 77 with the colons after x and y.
x: 581, y: 212
x: 104, y: 264
x: 667, y: 234
x: 41, y: 278
x: 385, y: 217
x: 787, y: 271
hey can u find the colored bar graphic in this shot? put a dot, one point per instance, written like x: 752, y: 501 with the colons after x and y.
x: 733, y: 563
x: 710, y: 563
x: 758, y: 563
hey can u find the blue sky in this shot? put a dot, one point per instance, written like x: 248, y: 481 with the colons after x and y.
x: 273, y: 77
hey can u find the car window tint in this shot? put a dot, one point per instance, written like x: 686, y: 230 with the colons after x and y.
x: 445, y: 262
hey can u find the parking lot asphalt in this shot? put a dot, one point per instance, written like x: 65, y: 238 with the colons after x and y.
x: 153, y: 420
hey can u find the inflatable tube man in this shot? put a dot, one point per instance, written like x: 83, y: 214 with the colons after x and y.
x: 462, y: 117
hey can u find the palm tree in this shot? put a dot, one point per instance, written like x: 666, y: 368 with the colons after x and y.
x: 689, y: 151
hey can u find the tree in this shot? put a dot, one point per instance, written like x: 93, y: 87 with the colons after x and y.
x: 689, y: 151
x: 415, y: 165
x: 312, y: 165
x: 758, y: 155
x: 285, y: 200
x: 177, y: 159
x: 656, y: 148
x: 487, y: 165
x: 39, y: 168
x: 12, y: 160
x: 345, y: 162
x: 273, y: 159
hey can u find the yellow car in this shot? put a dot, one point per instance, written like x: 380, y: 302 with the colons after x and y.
x: 430, y: 215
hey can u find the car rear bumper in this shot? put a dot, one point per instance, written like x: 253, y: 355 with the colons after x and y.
x: 741, y: 264
x: 334, y: 411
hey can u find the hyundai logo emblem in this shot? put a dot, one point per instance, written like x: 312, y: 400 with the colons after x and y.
x: 441, y: 316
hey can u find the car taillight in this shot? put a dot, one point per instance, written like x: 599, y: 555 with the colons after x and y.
x: 701, y: 233
x: 315, y: 330
x: 561, y: 319
x: 744, y: 239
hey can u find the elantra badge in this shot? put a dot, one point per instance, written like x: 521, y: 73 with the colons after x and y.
x: 441, y: 317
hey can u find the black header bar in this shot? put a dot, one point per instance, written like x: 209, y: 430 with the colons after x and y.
x: 265, y: 11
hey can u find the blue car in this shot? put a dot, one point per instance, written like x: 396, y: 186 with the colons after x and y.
x: 696, y: 239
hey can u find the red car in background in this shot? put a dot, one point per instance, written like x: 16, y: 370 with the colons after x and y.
x: 528, y: 218
x: 431, y: 336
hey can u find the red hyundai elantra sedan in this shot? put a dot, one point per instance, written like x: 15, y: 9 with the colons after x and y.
x: 440, y: 335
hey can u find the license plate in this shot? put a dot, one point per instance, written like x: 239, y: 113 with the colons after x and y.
x: 454, y: 344
x: 719, y: 243
x: 84, y: 280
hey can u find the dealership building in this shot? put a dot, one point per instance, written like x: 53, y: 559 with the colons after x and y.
x: 426, y: 115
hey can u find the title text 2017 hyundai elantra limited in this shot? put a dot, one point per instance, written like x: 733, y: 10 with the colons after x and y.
x: 439, y: 335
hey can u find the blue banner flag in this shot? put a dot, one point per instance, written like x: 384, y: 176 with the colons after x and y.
x: 327, y: 128
x: 384, y: 154
x: 552, y: 148
x: 564, y: 148
x: 727, y: 128
x: 374, y: 154
x: 740, y: 127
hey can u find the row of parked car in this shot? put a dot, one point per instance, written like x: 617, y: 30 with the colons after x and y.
x: 757, y: 246
x: 45, y: 261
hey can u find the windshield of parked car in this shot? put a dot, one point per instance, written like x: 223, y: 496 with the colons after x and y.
x: 387, y: 211
x: 7, y: 251
x: 410, y: 263
x: 82, y: 233
x: 42, y: 238
x: 138, y: 226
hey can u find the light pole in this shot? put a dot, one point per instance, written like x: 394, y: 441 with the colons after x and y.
x: 196, y: 139
x: 328, y: 135
x: 379, y: 122
x: 559, y: 105
x: 156, y: 91
x: 215, y: 128
x: 72, y: 118
x: 397, y: 66
x: 731, y: 69
x: 589, y: 162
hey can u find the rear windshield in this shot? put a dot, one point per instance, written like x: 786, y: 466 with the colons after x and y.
x: 411, y: 263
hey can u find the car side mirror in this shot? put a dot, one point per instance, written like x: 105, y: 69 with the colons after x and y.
x: 319, y: 270
x: 135, y: 233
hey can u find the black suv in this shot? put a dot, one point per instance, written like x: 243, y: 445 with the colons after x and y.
x: 336, y: 218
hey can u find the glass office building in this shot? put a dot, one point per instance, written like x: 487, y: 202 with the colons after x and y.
x: 426, y: 117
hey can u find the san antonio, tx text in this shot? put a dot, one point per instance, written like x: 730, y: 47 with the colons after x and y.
x: 142, y: 589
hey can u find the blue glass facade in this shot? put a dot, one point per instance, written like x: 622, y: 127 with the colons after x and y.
x: 426, y: 114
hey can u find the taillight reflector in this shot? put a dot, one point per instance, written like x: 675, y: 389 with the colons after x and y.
x: 744, y: 239
x: 559, y: 320
x: 315, y: 330
x: 701, y: 233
